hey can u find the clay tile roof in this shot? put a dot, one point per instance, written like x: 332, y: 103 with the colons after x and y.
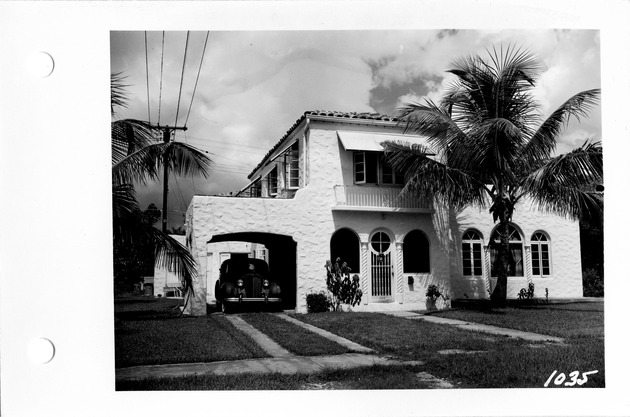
x: 346, y: 115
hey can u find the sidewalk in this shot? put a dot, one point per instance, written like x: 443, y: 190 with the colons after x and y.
x: 283, y: 365
x: 484, y: 328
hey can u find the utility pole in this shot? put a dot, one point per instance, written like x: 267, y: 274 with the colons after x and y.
x: 166, y: 156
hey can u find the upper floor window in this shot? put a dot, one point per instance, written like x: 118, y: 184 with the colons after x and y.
x: 515, y: 253
x: 540, y: 255
x: 272, y: 182
x: 471, y: 254
x: 372, y: 168
x: 256, y: 189
x: 292, y: 166
x: 416, y: 253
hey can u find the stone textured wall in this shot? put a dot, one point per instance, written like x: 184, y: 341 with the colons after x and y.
x: 309, y: 219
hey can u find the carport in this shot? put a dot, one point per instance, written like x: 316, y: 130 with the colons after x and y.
x: 282, y: 251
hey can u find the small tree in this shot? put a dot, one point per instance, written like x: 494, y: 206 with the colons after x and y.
x: 344, y: 289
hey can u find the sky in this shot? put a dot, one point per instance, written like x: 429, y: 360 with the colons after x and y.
x: 253, y: 85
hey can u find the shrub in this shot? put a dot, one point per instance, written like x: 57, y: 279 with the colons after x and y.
x: 593, y: 283
x: 317, y: 302
x: 344, y: 290
x: 433, y: 292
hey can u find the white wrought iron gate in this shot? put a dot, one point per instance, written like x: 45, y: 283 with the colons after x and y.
x: 381, y: 267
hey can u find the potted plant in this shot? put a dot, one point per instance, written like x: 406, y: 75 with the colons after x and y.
x: 433, y: 293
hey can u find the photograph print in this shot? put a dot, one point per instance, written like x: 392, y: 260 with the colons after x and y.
x: 357, y: 209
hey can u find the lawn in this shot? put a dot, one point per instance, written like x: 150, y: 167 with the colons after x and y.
x: 551, y: 319
x: 150, y: 333
x: 293, y: 338
x: 499, y: 362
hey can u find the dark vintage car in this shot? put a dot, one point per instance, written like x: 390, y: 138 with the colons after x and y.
x: 245, y: 282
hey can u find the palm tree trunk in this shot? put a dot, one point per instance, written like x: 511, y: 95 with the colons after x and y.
x: 499, y: 295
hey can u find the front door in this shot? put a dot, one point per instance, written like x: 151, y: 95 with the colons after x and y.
x: 381, y: 267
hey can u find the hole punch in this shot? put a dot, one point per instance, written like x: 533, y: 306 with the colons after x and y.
x: 41, y: 351
x: 41, y: 64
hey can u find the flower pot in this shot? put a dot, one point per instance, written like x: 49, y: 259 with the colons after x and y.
x: 431, y: 304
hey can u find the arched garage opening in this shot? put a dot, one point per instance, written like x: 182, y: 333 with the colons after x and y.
x: 282, y: 252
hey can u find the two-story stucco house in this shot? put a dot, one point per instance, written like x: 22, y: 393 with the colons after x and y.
x: 324, y: 191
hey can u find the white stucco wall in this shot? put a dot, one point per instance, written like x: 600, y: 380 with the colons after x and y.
x: 565, y: 280
x: 310, y: 220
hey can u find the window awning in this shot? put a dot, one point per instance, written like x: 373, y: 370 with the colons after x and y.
x: 364, y: 141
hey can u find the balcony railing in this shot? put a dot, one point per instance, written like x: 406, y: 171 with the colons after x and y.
x: 359, y: 197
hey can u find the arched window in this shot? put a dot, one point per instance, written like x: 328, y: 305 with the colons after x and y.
x: 540, y: 255
x: 515, y: 254
x: 344, y: 244
x: 416, y: 253
x: 471, y: 254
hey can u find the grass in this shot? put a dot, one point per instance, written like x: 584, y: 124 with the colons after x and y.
x: 503, y: 362
x: 365, y: 378
x: 295, y: 339
x: 152, y: 334
x: 403, y: 338
x: 552, y: 319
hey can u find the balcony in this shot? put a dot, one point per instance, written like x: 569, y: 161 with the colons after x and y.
x: 374, y: 198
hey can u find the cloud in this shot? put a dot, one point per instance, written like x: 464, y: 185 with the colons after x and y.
x: 254, y: 85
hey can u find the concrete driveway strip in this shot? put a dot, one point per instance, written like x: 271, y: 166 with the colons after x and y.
x: 352, y: 346
x: 265, y: 342
x: 534, y: 337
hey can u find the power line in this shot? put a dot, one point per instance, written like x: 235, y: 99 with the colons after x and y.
x: 146, y: 59
x: 181, y: 83
x: 161, y: 73
x: 197, y: 80
x: 224, y: 143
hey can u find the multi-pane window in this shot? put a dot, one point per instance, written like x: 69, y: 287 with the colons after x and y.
x: 292, y: 165
x: 515, y: 252
x: 389, y: 175
x: 272, y: 182
x: 471, y: 254
x: 416, y: 253
x: 256, y: 189
x: 540, y: 255
x: 372, y: 168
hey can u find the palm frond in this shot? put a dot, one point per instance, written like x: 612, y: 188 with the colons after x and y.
x: 129, y: 135
x: 172, y: 256
x: 563, y: 185
x: 543, y: 141
x: 124, y: 200
x: 187, y: 160
x: 145, y: 164
x: 428, y: 178
x: 432, y: 122
x: 131, y: 231
x: 118, y: 91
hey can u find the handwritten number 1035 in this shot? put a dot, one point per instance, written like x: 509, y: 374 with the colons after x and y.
x: 573, y: 378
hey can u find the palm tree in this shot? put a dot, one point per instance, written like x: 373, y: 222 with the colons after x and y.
x: 489, y: 146
x: 137, y: 157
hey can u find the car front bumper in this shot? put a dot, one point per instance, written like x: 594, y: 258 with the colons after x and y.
x: 251, y: 300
